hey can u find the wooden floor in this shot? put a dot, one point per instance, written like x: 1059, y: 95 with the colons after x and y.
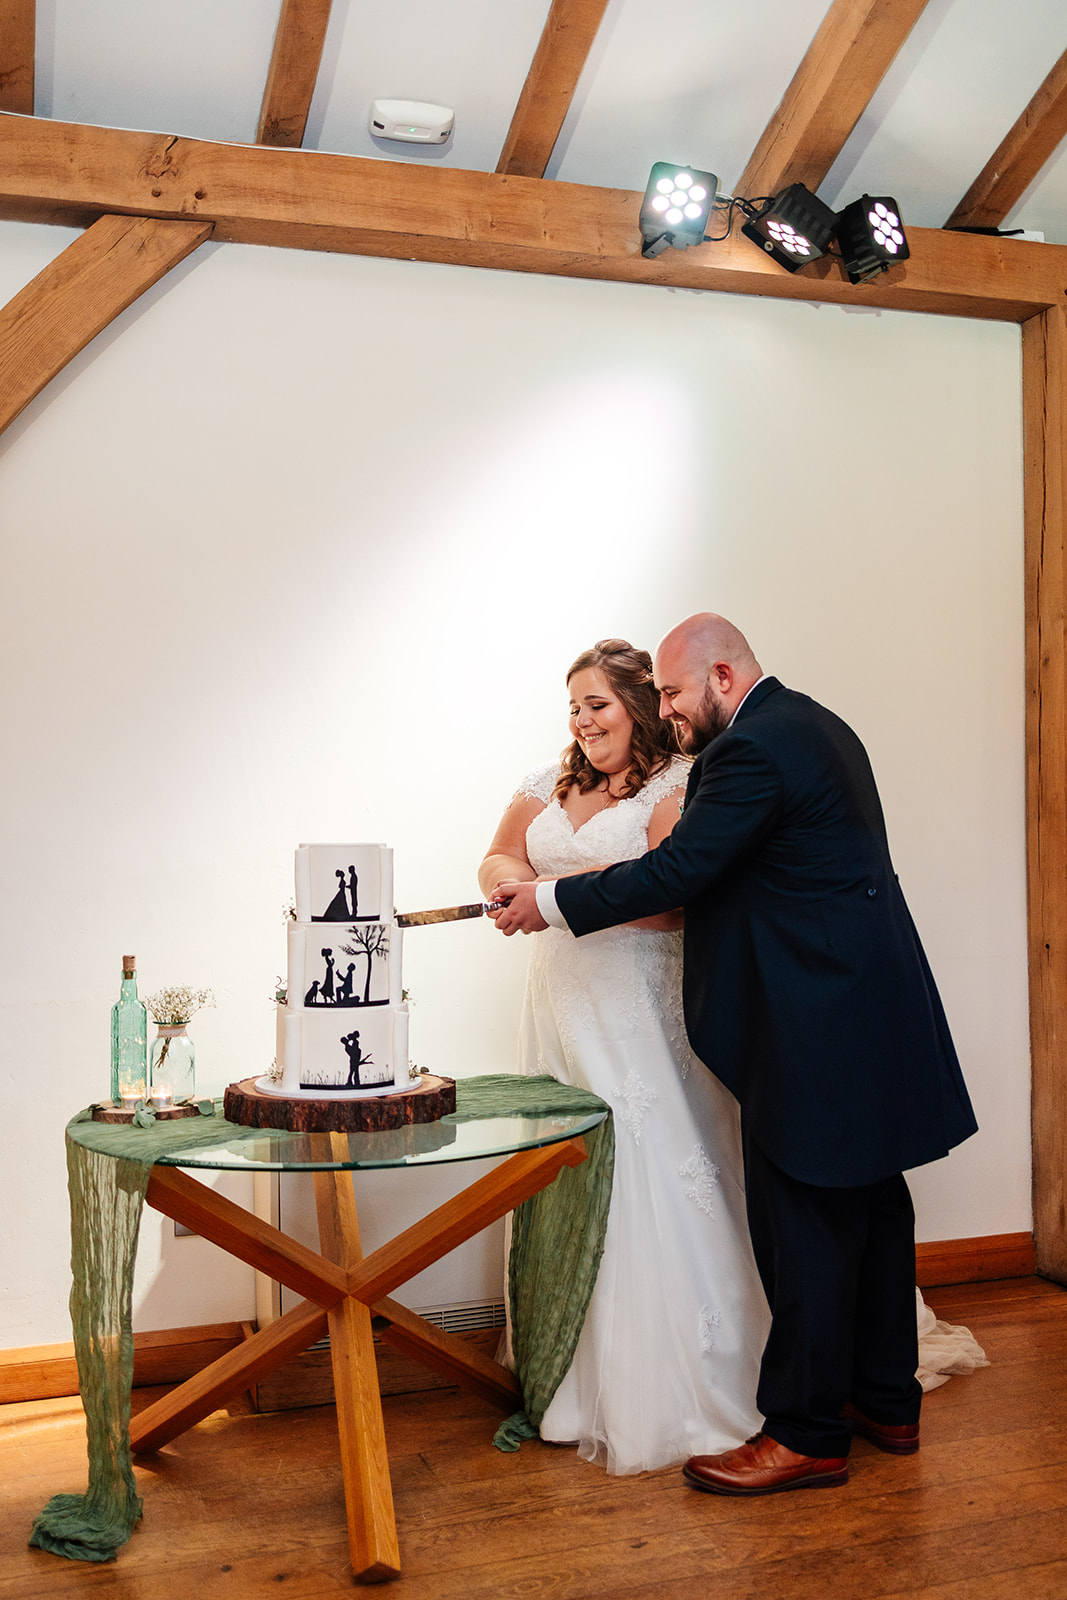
x: 249, y: 1505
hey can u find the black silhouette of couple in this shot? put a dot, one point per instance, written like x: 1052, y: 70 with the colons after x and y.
x: 356, y: 1059
x: 337, y: 910
x: 322, y: 991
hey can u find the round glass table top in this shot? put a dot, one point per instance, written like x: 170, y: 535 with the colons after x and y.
x: 456, y: 1137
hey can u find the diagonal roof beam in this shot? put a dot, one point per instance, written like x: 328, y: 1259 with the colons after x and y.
x: 79, y: 293
x: 567, y: 38
x: 845, y: 62
x: 1018, y: 159
x: 18, y: 42
x: 294, y: 68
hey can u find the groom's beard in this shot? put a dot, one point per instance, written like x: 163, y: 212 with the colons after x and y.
x: 709, y: 719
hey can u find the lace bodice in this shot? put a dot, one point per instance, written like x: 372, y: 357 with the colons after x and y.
x: 623, y: 977
x: 618, y: 833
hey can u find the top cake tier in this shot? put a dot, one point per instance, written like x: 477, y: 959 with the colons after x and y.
x: 344, y: 883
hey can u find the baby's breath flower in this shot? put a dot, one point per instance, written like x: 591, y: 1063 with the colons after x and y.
x: 175, y: 1005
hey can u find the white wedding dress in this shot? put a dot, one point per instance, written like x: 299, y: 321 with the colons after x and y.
x: 667, y: 1362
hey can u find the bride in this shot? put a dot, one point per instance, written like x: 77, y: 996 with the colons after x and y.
x: 668, y: 1359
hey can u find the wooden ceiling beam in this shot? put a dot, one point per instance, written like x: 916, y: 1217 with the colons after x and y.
x: 294, y: 71
x: 849, y: 56
x: 79, y: 293
x: 18, y: 45
x: 1016, y: 162
x: 566, y: 40
x: 311, y: 200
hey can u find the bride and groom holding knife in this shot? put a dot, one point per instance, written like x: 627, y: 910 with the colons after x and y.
x: 806, y: 993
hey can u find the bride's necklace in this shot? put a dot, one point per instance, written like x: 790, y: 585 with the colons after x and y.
x: 610, y: 798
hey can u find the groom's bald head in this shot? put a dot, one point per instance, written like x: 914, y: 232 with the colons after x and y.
x: 705, y: 639
x: 704, y: 668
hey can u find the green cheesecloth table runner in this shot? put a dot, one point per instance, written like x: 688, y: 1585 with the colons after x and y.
x: 557, y: 1242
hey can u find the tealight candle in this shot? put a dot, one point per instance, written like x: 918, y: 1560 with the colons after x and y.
x: 129, y: 1099
x: 161, y: 1096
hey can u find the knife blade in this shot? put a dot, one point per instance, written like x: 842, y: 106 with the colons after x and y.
x: 421, y: 919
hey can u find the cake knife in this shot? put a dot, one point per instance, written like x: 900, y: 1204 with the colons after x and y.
x: 419, y: 919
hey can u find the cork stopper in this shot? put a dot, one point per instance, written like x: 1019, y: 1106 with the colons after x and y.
x: 129, y: 965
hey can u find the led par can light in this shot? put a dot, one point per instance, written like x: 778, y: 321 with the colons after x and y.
x: 676, y: 207
x: 794, y: 228
x: 871, y: 236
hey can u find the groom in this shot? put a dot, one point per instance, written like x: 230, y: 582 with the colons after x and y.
x: 807, y: 992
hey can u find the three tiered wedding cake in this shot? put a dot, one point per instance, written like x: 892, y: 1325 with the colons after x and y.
x: 343, y: 1031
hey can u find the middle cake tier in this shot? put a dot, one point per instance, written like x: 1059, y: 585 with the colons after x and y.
x: 344, y: 964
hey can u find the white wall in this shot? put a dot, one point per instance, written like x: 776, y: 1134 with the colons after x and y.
x: 300, y: 549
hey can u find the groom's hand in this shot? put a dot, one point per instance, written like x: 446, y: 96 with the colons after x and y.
x: 519, y: 913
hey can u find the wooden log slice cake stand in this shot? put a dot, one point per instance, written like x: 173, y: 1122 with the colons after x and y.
x: 428, y: 1100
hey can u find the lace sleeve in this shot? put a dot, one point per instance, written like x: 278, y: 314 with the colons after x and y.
x: 539, y: 784
x: 671, y: 780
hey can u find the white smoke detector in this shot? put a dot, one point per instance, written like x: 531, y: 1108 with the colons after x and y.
x: 413, y: 121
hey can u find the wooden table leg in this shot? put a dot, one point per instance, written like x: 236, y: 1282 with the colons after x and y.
x: 454, y: 1358
x: 344, y: 1287
x: 372, y: 1534
x: 460, y: 1218
x: 199, y: 1396
x: 241, y: 1234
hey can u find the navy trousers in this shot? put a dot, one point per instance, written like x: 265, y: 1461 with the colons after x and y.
x: 838, y: 1269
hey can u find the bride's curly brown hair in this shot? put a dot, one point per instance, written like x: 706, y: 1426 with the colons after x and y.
x: 652, y: 743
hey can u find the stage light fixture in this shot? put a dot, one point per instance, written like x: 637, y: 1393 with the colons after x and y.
x: 794, y: 227
x: 871, y: 237
x: 676, y: 207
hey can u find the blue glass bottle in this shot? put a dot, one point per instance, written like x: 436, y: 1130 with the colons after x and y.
x: 129, y: 1040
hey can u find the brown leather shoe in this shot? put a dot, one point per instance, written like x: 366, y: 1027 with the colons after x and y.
x: 763, y: 1466
x: 897, y: 1440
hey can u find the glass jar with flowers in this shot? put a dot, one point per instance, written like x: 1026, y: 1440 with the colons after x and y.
x: 172, y: 1059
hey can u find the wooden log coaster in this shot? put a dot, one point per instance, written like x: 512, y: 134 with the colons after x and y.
x: 111, y: 1111
x: 427, y: 1100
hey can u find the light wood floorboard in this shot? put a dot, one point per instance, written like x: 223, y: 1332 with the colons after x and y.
x: 247, y: 1505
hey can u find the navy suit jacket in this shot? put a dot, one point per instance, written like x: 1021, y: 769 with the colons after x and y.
x: 806, y: 989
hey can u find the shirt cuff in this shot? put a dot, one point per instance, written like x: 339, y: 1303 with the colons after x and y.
x: 546, y: 904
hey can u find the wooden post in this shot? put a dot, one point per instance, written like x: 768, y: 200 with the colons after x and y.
x: 1045, y: 483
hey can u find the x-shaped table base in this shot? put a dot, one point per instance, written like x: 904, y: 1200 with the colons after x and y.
x: 343, y: 1289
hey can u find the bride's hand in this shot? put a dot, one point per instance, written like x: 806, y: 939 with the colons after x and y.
x: 518, y: 913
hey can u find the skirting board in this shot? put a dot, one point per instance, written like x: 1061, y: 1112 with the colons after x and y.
x: 170, y: 1355
x: 996, y: 1255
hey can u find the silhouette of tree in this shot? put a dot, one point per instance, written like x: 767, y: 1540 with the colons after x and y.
x: 369, y: 940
